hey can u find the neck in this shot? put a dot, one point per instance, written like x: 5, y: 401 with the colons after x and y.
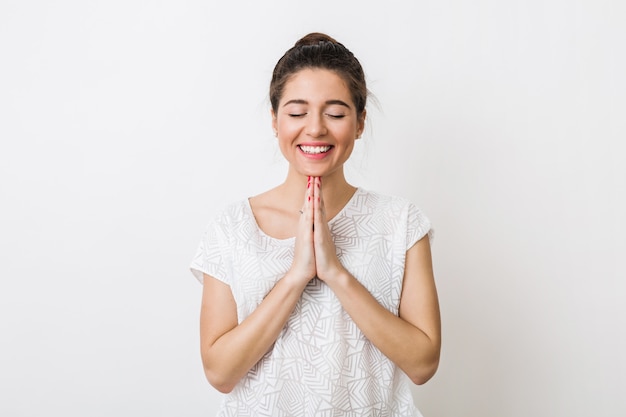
x: 336, y: 191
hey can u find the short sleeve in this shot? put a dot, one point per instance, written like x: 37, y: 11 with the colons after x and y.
x: 210, y: 257
x: 418, y: 226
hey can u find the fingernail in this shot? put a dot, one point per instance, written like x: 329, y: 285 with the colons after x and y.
x: 309, y: 198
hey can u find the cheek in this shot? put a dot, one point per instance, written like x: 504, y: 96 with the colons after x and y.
x: 286, y: 135
x: 349, y: 133
x: 288, y: 131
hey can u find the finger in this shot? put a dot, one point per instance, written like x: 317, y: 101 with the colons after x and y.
x: 304, y: 236
x: 309, y: 198
x: 318, y: 201
x: 318, y: 213
x: 306, y: 203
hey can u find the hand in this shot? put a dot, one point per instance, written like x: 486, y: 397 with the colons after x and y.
x: 303, y: 267
x: 327, y: 264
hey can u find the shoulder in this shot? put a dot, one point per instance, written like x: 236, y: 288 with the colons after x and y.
x: 398, y: 211
x: 229, y: 215
x: 235, y: 210
x: 385, y: 203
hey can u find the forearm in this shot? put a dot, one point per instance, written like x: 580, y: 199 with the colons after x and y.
x: 408, y: 346
x: 232, y: 355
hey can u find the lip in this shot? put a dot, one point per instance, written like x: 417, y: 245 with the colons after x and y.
x: 315, y: 156
x: 317, y: 143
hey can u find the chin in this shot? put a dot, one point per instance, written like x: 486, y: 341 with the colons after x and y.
x: 316, y: 171
x: 314, y: 174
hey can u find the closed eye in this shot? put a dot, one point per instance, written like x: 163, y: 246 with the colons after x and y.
x: 336, y: 116
x: 297, y: 114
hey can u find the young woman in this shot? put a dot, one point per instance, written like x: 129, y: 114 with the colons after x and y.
x: 319, y: 297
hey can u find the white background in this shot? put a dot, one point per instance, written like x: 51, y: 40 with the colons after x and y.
x: 125, y: 125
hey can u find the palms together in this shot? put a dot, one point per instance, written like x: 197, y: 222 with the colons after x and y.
x: 315, y: 250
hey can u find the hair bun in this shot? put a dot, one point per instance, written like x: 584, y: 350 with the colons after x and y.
x: 319, y: 51
x: 315, y: 38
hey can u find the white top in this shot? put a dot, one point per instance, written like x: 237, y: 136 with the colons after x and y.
x: 321, y: 364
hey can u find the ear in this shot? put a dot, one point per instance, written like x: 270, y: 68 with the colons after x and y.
x: 274, y: 122
x: 360, y: 127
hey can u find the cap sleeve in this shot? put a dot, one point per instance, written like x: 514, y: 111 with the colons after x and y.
x: 418, y: 226
x: 210, y: 257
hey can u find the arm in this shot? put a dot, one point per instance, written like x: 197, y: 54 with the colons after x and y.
x: 230, y: 350
x: 411, y: 340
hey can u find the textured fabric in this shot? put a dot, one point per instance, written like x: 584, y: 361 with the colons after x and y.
x: 321, y: 364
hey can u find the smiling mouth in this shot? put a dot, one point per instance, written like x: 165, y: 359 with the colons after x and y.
x: 314, y: 150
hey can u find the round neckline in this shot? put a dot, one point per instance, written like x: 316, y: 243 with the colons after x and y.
x: 292, y: 238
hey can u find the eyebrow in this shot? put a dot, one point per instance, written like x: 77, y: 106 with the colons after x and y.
x: 328, y: 102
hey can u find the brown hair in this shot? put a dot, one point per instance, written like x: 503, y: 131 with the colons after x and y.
x: 317, y: 50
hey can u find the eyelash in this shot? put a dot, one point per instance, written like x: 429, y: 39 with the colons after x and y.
x: 334, y: 116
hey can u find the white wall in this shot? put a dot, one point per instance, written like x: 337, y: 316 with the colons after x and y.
x: 125, y: 124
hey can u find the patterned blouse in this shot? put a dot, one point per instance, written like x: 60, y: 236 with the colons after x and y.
x: 321, y: 364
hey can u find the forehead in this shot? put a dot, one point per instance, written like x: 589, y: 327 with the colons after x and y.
x: 313, y: 84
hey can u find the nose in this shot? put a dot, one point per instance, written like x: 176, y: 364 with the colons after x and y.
x: 315, y: 126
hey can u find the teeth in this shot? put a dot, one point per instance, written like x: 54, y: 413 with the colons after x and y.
x: 315, y: 149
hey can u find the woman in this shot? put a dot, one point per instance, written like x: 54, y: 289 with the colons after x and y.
x: 319, y: 297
